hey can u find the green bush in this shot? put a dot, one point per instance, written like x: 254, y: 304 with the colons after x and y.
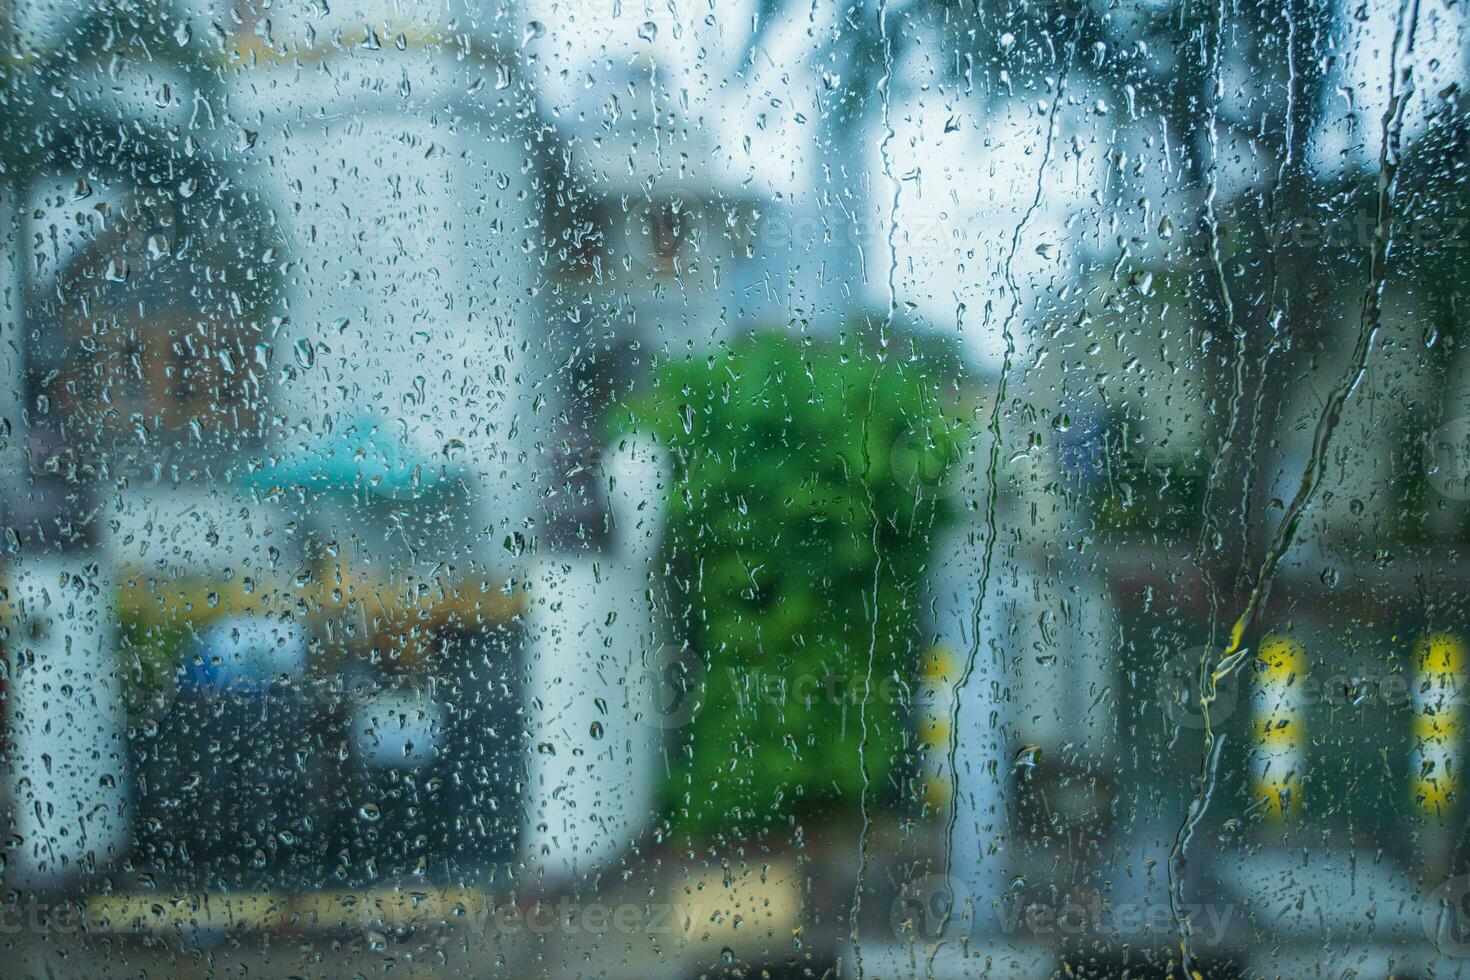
x: 771, y: 535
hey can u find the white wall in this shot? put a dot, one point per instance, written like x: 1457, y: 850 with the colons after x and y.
x: 592, y: 641
x: 69, y: 756
x: 405, y: 214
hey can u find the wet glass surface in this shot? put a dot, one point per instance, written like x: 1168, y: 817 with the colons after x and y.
x: 691, y: 489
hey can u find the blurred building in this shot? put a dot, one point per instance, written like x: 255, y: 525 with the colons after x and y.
x: 290, y: 383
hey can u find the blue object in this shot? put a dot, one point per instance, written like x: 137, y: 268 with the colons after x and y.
x: 244, y: 655
x: 359, y: 457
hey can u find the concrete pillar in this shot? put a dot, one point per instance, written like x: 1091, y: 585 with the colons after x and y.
x: 591, y: 639
x: 401, y: 197
x: 983, y: 736
x: 1439, y: 715
x: 1280, y: 726
x: 13, y: 252
x: 68, y: 744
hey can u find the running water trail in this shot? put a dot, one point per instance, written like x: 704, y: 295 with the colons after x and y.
x: 885, y: 150
x: 992, y: 492
x: 1222, y: 283
x: 1400, y: 89
x: 1275, y: 311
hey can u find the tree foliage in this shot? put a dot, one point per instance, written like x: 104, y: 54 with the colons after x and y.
x: 808, y: 485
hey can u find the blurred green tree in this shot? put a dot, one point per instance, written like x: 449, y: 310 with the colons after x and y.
x: 810, y: 479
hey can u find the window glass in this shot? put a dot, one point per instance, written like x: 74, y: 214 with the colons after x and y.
x: 749, y: 488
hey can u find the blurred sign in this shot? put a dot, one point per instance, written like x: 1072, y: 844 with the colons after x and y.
x: 246, y: 654
x: 398, y: 728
